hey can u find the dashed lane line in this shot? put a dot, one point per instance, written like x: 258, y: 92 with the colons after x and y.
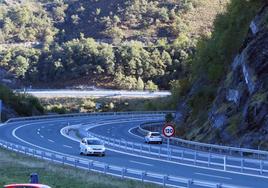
x: 136, y: 162
x: 51, y: 140
x: 67, y: 146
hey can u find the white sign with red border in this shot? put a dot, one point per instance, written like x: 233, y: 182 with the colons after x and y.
x: 169, y: 130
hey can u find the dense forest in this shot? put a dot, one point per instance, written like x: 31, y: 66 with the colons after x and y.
x: 141, y: 44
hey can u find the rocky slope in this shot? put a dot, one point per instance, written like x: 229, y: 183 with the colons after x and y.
x: 240, y: 109
x: 238, y: 115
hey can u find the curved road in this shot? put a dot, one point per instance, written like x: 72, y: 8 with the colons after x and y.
x: 46, y: 135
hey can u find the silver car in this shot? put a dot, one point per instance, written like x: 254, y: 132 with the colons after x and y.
x: 92, y: 146
x: 153, y: 137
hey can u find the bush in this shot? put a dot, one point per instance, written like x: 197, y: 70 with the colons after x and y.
x: 151, y: 86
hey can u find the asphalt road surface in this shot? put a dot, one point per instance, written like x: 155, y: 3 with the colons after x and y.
x: 96, y: 93
x: 45, y: 134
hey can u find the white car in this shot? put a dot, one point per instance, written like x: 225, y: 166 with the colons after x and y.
x: 153, y: 137
x: 92, y: 146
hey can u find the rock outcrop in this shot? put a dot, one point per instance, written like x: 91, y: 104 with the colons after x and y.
x: 240, y: 108
x: 238, y: 115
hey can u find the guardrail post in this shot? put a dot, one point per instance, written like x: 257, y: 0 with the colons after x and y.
x: 261, y: 166
x: 165, y: 178
x: 195, y: 156
x: 123, y: 172
x: 106, y: 167
x: 76, y: 161
x: 242, y: 164
x: 143, y: 174
x: 182, y: 155
x: 224, y: 162
x: 52, y: 157
x: 189, y: 183
x: 209, y: 159
x: 63, y: 160
x: 90, y: 165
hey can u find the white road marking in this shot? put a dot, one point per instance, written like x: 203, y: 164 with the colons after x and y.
x: 78, y: 140
x: 67, y: 146
x: 50, y: 140
x: 209, y: 175
x: 129, y: 131
x: 38, y: 129
x: 41, y: 136
x: 146, y: 164
x: 38, y: 132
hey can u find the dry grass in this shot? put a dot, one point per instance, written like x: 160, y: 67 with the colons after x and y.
x: 200, y: 20
x: 16, y: 168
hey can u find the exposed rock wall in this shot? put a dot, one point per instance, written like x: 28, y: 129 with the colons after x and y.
x: 241, y: 106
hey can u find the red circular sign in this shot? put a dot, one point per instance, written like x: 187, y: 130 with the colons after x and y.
x: 169, y: 130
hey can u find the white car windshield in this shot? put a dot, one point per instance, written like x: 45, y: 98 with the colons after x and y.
x: 94, y: 142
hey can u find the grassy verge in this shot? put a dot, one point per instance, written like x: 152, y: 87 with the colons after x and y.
x: 16, y: 168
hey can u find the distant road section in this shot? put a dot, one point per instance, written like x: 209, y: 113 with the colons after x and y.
x: 95, y: 93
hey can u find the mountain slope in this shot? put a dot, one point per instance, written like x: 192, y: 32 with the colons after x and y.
x: 229, y: 95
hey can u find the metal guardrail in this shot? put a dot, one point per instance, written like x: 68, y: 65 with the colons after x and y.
x: 87, y: 114
x: 144, y: 176
x: 227, y: 150
x: 208, y: 160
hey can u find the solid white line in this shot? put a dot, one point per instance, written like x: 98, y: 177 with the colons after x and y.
x: 78, y: 140
x: 129, y: 131
x: 50, y: 140
x: 67, y: 146
x: 146, y: 164
x: 209, y: 175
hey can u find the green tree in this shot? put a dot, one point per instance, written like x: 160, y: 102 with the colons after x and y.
x: 21, y: 65
x: 150, y: 86
x: 140, y: 84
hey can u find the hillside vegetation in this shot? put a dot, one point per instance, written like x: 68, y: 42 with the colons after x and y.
x: 15, y: 104
x: 217, y: 101
x: 141, y: 44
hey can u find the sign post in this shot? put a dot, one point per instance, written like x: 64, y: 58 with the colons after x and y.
x: 168, y: 131
x: 0, y: 110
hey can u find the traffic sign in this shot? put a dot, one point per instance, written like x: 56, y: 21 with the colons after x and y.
x: 169, y: 130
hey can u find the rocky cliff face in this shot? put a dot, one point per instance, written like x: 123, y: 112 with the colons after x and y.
x: 240, y: 109
x: 238, y: 115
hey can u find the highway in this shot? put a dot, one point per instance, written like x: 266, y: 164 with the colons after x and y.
x: 95, y: 93
x: 47, y: 135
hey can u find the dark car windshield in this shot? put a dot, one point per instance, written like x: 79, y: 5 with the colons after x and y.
x: 155, y: 134
x: 93, y: 142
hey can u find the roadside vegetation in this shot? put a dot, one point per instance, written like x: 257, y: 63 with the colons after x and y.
x: 16, y: 168
x: 19, y: 104
x: 86, y: 105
